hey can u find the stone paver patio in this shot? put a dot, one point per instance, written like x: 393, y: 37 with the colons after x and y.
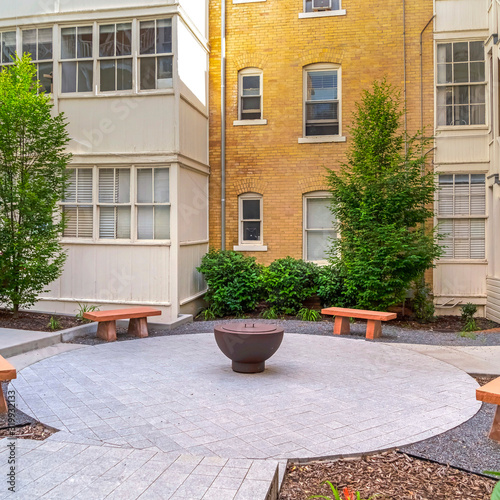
x: 164, y: 399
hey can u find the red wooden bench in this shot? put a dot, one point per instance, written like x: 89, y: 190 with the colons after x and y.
x: 490, y: 393
x: 138, y: 325
x: 342, y: 325
x: 7, y: 372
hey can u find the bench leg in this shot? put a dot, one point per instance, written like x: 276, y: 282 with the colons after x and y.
x: 495, y: 426
x: 341, y: 326
x: 3, y: 403
x: 106, y: 330
x: 373, y: 329
x: 138, y: 327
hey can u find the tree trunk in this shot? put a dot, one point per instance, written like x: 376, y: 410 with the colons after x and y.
x: 16, y: 311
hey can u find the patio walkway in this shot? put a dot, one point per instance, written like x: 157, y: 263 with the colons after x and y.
x: 173, y: 397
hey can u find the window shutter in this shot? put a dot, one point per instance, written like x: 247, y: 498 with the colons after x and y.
x: 107, y: 222
x: 106, y: 185
x: 84, y: 185
x: 477, y: 244
x: 446, y: 228
x: 70, y: 195
x: 70, y: 230
x: 477, y: 195
x: 85, y: 222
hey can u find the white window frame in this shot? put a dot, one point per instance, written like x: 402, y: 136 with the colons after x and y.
x: 250, y: 245
x: 96, y: 204
x: 2, y: 33
x: 77, y: 60
x: 116, y: 58
x: 322, y: 138
x: 313, y: 195
x: 461, y: 217
x: 241, y: 119
x: 156, y: 55
x: 469, y: 84
x: 34, y: 57
x: 336, y: 11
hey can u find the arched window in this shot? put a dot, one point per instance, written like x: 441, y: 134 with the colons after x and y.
x: 250, y: 219
x: 250, y: 94
x: 322, y: 100
x: 319, y: 225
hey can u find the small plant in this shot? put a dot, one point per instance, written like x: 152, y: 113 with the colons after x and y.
x: 270, y: 313
x: 468, y: 335
x: 54, y: 324
x: 208, y: 314
x: 347, y: 494
x: 306, y: 314
x: 423, y: 303
x: 468, y: 311
x: 495, y: 495
x: 288, y: 282
x: 84, y: 308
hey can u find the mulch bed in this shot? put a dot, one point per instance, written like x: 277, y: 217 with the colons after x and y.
x: 36, y: 321
x: 443, y: 324
x: 393, y: 475
x: 390, y: 476
x: 36, y: 431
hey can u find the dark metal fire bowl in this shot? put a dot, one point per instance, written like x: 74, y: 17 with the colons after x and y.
x: 248, y: 344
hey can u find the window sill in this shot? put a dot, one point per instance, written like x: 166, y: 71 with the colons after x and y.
x: 324, y: 13
x: 250, y: 248
x: 322, y: 138
x: 249, y: 122
x: 462, y: 261
x: 455, y: 128
x: 122, y: 242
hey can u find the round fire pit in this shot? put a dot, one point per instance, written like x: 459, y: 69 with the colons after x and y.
x: 248, y: 344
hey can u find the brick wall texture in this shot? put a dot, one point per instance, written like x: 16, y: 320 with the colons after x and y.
x: 367, y: 43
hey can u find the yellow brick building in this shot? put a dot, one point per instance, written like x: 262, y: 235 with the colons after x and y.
x: 294, y: 52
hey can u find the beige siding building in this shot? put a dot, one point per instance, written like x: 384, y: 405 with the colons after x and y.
x: 131, y: 78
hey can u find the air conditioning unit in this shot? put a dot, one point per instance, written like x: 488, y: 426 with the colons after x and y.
x: 322, y: 4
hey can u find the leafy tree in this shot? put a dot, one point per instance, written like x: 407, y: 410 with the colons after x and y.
x: 32, y: 180
x: 382, y: 198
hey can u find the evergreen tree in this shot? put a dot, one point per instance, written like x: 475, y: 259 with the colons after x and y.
x: 33, y: 163
x: 382, y: 199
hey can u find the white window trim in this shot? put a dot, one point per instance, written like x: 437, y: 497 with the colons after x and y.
x: 244, y: 245
x: 454, y: 128
x: 133, y: 240
x: 308, y: 139
x: 438, y: 218
x: 322, y: 13
x: 250, y: 72
x: 305, y: 197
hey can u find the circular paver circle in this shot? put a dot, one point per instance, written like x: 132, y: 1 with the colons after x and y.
x: 319, y: 396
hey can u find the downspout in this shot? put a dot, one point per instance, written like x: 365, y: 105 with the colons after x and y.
x: 223, y: 126
x: 422, y: 76
x: 404, y: 71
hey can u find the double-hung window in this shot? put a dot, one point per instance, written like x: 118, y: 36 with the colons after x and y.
x: 155, y: 54
x: 77, y: 206
x: 462, y: 214
x: 153, y: 204
x: 461, y: 83
x: 114, y: 203
x: 77, y: 65
x: 321, y: 106
x: 115, y: 57
x: 250, y: 90
x: 318, y: 226
x: 250, y: 219
x: 38, y: 43
x: 8, y: 48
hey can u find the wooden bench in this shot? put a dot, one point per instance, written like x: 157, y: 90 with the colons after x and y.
x: 342, y: 325
x: 7, y: 372
x: 490, y: 393
x: 138, y: 325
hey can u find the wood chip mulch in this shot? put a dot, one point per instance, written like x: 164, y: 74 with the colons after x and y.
x: 35, y: 430
x: 36, y: 321
x: 390, y: 476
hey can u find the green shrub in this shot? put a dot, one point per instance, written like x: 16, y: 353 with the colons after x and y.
x: 82, y: 309
x: 423, y: 303
x: 233, y: 280
x: 468, y: 311
x: 269, y: 313
x: 331, y: 289
x: 54, y: 324
x: 288, y: 282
